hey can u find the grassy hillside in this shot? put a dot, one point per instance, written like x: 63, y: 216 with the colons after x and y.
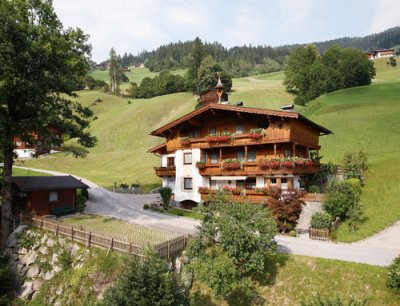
x: 385, y: 72
x: 366, y: 118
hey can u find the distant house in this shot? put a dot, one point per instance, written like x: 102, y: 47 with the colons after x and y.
x: 381, y: 53
x: 45, y: 195
x: 125, y: 69
x: 35, y: 144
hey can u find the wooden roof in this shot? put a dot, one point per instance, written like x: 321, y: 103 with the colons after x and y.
x: 240, y: 109
x: 41, y: 183
x: 159, y: 148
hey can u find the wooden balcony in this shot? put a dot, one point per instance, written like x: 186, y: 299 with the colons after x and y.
x: 252, y: 168
x: 165, y: 171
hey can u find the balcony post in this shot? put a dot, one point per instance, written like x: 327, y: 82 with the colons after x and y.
x: 294, y: 149
x: 220, y: 155
x: 274, y: 149
x: 307, y: 152
x: 245, y: 153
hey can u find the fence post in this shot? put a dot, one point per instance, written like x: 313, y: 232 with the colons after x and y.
x: 89, y: 238
x: 41, y: 223
x: 111, y: 244
x: 130, y: 248
x: 72, y: 233
x: 168, y: 249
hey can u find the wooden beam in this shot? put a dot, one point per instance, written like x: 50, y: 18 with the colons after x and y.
x: 195, y: 122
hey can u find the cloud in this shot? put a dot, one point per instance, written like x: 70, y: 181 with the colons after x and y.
x: 387, y: 15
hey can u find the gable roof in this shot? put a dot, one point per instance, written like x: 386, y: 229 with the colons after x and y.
x: 240, y: 109
x: 40, y: 183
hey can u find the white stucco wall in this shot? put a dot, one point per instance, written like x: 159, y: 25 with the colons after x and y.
x: 24, y: 153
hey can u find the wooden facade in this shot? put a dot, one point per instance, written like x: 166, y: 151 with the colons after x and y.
x: 219, y: 133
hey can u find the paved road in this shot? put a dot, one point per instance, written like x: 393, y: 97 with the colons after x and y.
x: 379, y: 256
x: 129, y: 207
x: 379, y: 249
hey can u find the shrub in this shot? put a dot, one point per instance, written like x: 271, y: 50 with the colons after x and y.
x: 166, y: 193
x: 321, y: 220
x: 146, y: 206
x: 292, y: 233
x: 393, y: 276
x: 354, y: 165
x: 85, y: 193
x: 65, y: 258
x: 314, y: 189
x: 286, y: 208
x: 146, y: 281
x: 340, y: 199
x: 80, y: 200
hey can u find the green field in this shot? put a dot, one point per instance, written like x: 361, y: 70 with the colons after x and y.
x: 24, y: 172
x: 361, y: 118
x: 134, y: 233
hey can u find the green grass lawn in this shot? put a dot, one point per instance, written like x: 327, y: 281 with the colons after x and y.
x: 366, y: 118
x: 137, y: 234
x: 385, y: 72
x: 184, y: 213
x: 24, y: 172
x: 290, y: 279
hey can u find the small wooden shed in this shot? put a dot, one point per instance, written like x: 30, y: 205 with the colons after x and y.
x: 46, y: 195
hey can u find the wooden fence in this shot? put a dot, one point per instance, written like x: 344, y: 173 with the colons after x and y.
x: 166, y: 249
x: 319, y: 234
x: 313, y: 197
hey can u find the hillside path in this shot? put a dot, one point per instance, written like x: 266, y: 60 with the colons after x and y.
x: 379, y: 249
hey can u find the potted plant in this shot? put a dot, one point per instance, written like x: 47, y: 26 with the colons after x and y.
x: 203, y: 189
x: 231, y: 164
x: 300, y: 162
x: 309, y: 162
x: 264, y: 163
x: 274, y: 163
x: 287, y: 163
x: 257, y: 133
x: 219, y: 137
x: 185, y: 141
x: 201, y: 165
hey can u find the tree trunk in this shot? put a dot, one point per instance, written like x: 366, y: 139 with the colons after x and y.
x: 6, y: 196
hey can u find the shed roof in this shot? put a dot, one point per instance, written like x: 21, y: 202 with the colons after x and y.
x: 40, y: 183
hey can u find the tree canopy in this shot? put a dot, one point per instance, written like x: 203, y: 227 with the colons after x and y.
x: 310, y: 75
x: 41, y: 64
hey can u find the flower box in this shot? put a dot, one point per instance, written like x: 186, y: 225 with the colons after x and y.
x: 257, y: 134
x: 274, y: 163
x: 223, y: 137
x: 200, y: 165
x: 231, y: 164
x: 185, y: 141
x: 300, y: 162
x: 287, y: 164
x: 264, y: 163
x: 309, y: 163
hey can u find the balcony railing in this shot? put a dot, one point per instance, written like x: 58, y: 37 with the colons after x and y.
x: 252, y: 168
x: 254, y: 196
x: 165, y: 171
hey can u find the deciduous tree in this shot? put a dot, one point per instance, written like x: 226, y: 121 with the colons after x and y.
x: 41, y: 64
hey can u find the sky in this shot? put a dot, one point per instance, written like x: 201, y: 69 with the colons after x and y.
x: 136, y: 25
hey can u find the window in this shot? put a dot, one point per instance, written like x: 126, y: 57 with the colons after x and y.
x: 204, y: 157
x: 273, y: 181
x: 240, y: 155
x: 214, y: 158
x: 171, y: 162
x: 284, y: 180
x: 288, y: 153
x: 212, y: 131
x: 193, y: 134
x: 53, y: 196
x: 240, y: 184
x: 239, y: 129
x: 187, y: 183
x: 251, y: 156
x: 187, y: 158
x: 250, y: 183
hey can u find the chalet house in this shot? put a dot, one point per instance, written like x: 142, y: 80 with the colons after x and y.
x: 243, y: 149
x: 380, y: 53
x: 38, y: 145
x: 45, y: 195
